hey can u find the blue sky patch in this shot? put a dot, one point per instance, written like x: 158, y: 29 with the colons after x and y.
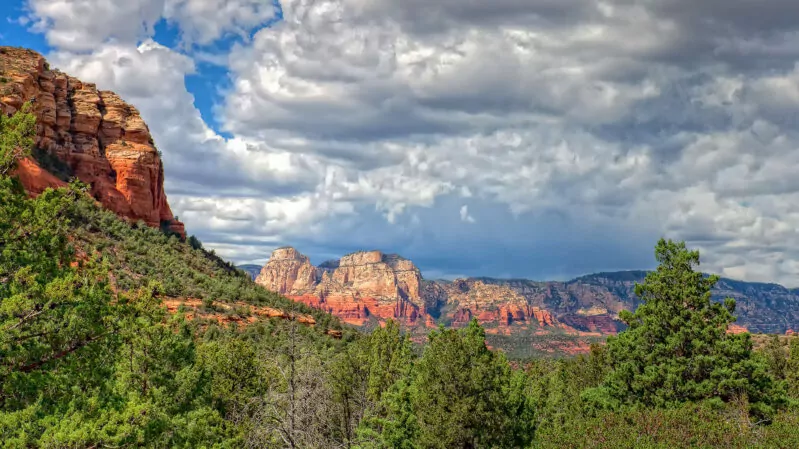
x: 14, y: 33
x: 206, y: 85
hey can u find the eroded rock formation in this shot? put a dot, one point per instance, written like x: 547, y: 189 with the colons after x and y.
x: 372, y: 286
x: 95, y: 135
x: 356, y: 287
x: 491, y: 303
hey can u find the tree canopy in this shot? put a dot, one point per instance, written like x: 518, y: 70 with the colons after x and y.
x: 677, y: 348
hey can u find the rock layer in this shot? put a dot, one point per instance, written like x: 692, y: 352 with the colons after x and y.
x: 372, y: 286
x: 99, y: 138
x: 355, y: 288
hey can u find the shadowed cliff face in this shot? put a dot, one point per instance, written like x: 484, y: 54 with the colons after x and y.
x: 93, y: 135
x: 372, y: 287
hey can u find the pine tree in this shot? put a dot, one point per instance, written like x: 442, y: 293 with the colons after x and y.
x: 677, y: 348
x: 792, y: 368
x: 463, y: 395
x: 16, y: 138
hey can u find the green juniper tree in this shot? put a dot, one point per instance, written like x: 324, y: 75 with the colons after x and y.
x: 792, y: 369
x: 16, y: 138
x: 462, y: 395
x: 677, y: 348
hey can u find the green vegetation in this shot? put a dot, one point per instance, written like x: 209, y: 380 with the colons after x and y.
x: 16, y: 138
x: 89, y: 357
x: 676, y: 348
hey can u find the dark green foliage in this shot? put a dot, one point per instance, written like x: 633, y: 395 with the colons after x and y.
x: 16, y: 138
x: 461, y: 395
x: 689, y: 426
x: 792, y: 369
x: 677, y: 350
x: 194, y: 243
x: 775, y: 355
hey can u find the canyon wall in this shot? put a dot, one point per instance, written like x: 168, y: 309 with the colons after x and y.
x: 355, y: 288
x: 371, y: 287
x: 89, y: 134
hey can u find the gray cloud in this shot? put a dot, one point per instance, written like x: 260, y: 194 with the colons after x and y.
x: 572, y: 133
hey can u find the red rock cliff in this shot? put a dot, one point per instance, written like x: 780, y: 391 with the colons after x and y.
x: 372, y: 285
x: 288, y: 273
x: 492, y: 304
x: 103, y: 140
x: 355, y: 288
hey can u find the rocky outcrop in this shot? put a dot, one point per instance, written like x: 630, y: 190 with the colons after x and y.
x: 35, y: 179
x: 99, y: 138
x: 356, y: 288
x: 493, y: 304
x: 288, y: 272
x: 372, y: 286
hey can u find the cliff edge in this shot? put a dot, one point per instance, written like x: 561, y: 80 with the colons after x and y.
x: 89, y: 134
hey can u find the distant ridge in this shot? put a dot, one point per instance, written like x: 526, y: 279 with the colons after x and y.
x: 368, y: 287
x: 252, y: 270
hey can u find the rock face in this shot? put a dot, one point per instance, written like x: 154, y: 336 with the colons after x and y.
x: 288, y: 272
x: 35, y: 179
x: 492, y: 304
x: 372, y: 287
x: 95, y: 135
x: 354, y: 288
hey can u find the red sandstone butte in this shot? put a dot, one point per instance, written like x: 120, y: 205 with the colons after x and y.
x: 371, y: 285
x: 356, y: 288
x: 102, y: 139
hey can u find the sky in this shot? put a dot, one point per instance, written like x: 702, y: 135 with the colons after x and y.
x: 542, y: 139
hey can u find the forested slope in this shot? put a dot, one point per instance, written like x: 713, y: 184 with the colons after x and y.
x: 90, y: 357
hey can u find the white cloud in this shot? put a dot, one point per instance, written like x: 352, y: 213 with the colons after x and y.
x: 204, y: 21
x: 579, y: 131
x: 83, y: 25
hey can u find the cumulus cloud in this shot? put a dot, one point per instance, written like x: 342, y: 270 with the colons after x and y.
x: 83, y: 25
x: 204, y: 21
x: 564, y: 136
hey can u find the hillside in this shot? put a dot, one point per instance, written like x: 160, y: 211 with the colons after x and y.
x: 116, y: 330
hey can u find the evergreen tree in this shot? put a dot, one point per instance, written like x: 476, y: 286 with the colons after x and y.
x: 16, y: 138
x: 677, y: 348
x: 792, y: 369
x: 462, y: 396
x: 362, y: 374
x: 776, y: 358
